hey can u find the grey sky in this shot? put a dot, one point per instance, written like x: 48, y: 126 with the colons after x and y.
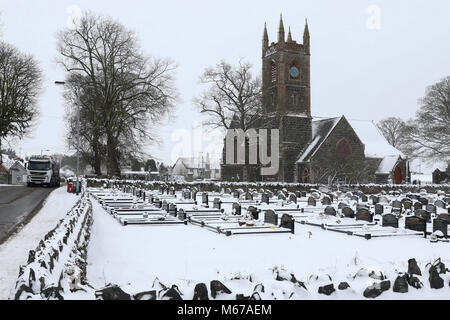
x: 360, y: 72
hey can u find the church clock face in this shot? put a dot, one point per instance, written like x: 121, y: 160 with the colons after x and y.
x: 294, y: 72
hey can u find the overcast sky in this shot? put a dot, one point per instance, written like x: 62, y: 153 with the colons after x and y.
x: 370, y: 59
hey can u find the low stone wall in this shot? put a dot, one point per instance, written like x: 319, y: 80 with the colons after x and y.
x: 291, y: 187
x: 58, y: 265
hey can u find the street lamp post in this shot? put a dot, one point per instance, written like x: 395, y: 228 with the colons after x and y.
x: 78, y: 133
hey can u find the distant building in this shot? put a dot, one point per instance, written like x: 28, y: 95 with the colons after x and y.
x: 196, y: 168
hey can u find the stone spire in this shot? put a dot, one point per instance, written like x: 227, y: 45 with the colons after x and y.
x: 289, y: 38
x: 306, y: 37
x: 281, y: 30
x: 265, y: 41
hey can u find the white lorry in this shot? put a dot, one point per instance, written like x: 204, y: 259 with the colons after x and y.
x: 44, y: 171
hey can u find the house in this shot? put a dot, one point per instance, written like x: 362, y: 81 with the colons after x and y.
x: 196, y: 168
x: 18, y: 173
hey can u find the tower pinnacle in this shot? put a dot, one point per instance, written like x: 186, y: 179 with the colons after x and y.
x: 281, y: 30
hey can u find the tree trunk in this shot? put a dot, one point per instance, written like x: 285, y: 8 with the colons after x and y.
x: 113, y: 161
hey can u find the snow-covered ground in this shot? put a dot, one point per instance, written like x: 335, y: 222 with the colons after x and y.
x: 14, y: 252
x: 133, y: 256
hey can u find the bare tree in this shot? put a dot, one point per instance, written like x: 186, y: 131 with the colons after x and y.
x: 393, y: 129
x: 233, y: 97
x: 429, y: 133
x: 20, y: 85
x: 131, y: 90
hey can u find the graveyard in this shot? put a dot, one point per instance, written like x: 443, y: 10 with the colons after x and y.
x: 132, y: 240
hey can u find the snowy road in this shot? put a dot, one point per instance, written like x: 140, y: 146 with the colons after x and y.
x: 14, y: 251
x: 16, y: 204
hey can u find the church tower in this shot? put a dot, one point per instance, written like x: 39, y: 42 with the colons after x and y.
x: 286, y: 88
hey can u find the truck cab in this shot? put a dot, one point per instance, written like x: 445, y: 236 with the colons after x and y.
x: 44, y: 171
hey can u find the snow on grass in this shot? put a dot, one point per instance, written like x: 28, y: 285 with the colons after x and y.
x: 133, y: 256
x: 14, y: 252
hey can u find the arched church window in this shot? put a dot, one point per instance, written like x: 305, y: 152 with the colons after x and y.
x: 344, y: 147
x: 305, y: 175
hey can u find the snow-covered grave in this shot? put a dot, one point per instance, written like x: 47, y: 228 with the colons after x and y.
x: 162, y: 243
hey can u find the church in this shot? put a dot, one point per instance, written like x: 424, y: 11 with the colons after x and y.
x: 313, y: 150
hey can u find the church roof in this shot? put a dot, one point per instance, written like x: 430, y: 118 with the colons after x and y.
x: 388, y: 164
x: 375, y: 144
x: 321, y: 129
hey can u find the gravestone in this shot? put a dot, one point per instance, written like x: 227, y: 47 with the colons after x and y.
x: 186, y: 194
x: 431, y: 208
x: 348, y: 212
x: 379, y: 208
x: 271, y: 217
x: 326, y: 201
x: 364, y: 198
x: 172, y: 191
x: 217, y: 204
x: 383, y: 200
x: 444, y: 216
x: 248, y: 196
x: 354, y: 198
x: 407, y: 204
x: 396, y: 206
x: 236, y: 209
x: 329, y: 210
x: 181, y: 214
x: 194, y: 194
x: 424, y: 201
x: 165, y: 206
x: 364, y: 215
x: 172, y: 209
x: 254, y: 212
x: 303, y: 194
x: 415, y: 223
x: 264, y: 198
x: 298, y: 194
x: 205, y: 198
x: 342, y: 205
x: 311, y: 201
x: 236, y: 194
x: 293, y: 198
x: 227, y: 191
x: 287, y: 222
x: 418, y: 205
x: 390, y: 220
x: 375, y: 199
x: 424, y: 214
x: 269, y: 194
x: 440, y: 225
x: 281, y: 196
x: 439, y: 204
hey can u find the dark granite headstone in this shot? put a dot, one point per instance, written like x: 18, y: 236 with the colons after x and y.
x: 237, y: 209
x: 264, y: 198
x: 424, y: 214
x: 181, y: 214
x: 236, y: 194
x: 287, y: 222
x: 248, y: 196
x: 444, y: 216
x: 329, y: 210
x: 281, y: 196
x: 364, y: 214
x: 396, y: 206
x: 417, y: 205
x: 431, y: 208
x: 424, y: 201
x: 271, y: 217
x: 326, y: 201
x: 440, y: 204
x: 205, y: 198
x: 293, y: 198
x: 354, y: 198
x: 390, y: 220
x: 379, y: 208
x: 311, y: 201
x: 217, y: 204
x: 364, y: 198
x: 254, y: 212
x: 441, y: 225
x: 342, y: 205
x: 375, y: 200
x: 415, y: 223
x: 348, y: 212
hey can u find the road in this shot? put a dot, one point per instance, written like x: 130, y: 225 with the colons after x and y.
x: 18, y: 205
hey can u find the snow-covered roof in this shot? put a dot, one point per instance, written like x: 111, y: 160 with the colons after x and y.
x: 376, y: 145
x: 7, y: 161
x: 387, y: 165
